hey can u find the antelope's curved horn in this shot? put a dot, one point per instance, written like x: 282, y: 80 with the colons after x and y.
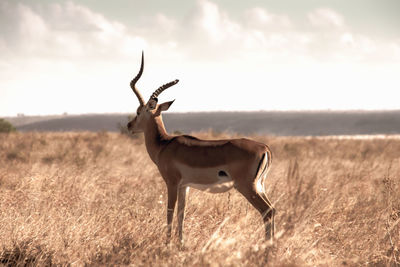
x: 162, y: 88
x: 133, y: 83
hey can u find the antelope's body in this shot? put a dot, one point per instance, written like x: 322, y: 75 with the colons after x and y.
x: 218, y: 163
x: 213, y: 166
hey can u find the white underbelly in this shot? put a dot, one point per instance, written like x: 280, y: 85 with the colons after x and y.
x: 218, y: 187
x: 213, y: 180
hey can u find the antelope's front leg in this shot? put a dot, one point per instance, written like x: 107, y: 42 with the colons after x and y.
x: 181, y: 212
x: 172, y: 196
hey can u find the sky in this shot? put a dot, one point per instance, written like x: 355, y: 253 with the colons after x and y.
x: 78, y: 57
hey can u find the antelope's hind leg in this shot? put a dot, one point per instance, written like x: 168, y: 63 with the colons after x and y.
x: 262, y: 205
x: 269, y: 227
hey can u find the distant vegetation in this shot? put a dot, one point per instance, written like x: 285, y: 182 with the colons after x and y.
x: 96, y: 199
x: 6, y: 127
x: 260, y: 123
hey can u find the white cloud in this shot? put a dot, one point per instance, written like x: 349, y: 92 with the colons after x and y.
x: 71, y: 30
x: 165, y: 23
x: 347, y: 39
x: 73, y: 17
x: 218, y: 36
x: 261, y: 35
x: 65, y: 30
x: 326, y: 17
x: 260, y: 18
x: 30, y: 24
x: 215, y: 23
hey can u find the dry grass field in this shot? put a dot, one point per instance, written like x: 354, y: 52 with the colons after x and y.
x: 97, y: 199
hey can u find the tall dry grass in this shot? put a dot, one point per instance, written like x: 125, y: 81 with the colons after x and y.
x: 97, y: 199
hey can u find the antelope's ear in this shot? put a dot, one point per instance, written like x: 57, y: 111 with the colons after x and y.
x: 163, y: 107
x: 152, y: 104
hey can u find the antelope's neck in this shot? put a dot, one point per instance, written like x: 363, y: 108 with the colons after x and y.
x: 156, y: 137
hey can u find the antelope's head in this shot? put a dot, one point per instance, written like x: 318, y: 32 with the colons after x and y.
x: 147, y: 111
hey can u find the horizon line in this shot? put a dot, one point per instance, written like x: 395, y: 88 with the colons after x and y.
x: 65, y: 114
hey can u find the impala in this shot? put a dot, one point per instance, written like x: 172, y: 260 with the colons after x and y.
x: 213, y: 166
